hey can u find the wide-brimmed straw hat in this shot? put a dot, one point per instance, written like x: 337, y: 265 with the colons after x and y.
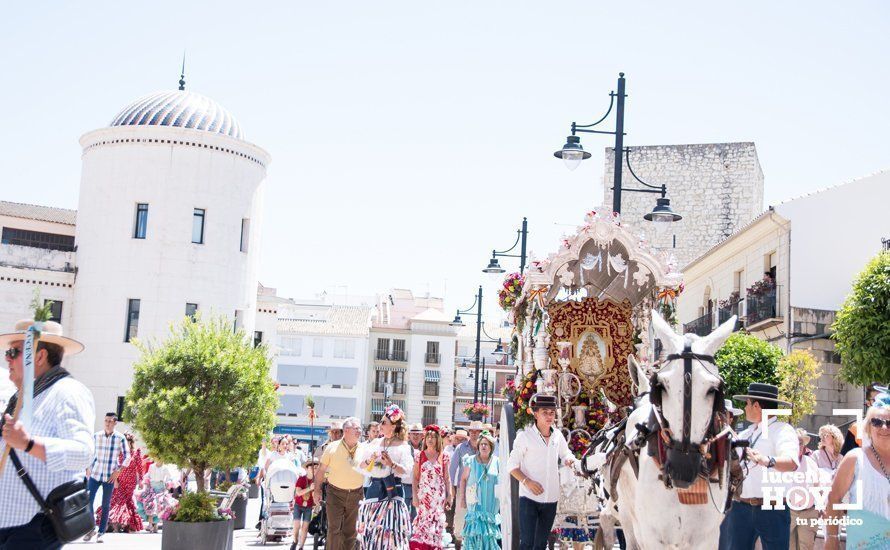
x: 476, y: 425
x: 764, y: 392
x: 51, y: 333
x: 417, y: 428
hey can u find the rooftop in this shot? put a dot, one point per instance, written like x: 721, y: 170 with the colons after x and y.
x: 36, y: 212
x: 338, y: 321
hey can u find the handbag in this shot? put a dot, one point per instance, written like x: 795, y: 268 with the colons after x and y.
x: 393, y: 486
x: 67, y: 506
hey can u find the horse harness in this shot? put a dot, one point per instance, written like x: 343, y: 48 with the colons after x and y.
x: 681, y: 463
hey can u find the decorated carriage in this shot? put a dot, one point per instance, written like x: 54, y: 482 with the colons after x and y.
x: 578, y: 315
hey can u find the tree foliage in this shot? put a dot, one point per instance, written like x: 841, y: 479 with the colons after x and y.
x: 798, y: 372
x: 744, y: 359
x: 203, y: 398
x: 862, y: 326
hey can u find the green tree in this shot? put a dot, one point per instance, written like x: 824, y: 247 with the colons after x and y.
x: 744, y: 359
x: 862, y: 327
x: 203, y: 398
x: 798, y: 372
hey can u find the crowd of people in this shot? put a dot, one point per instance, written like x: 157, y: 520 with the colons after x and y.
x: 396, y: 486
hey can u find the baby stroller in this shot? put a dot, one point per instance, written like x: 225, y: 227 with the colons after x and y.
x: 280, y: 484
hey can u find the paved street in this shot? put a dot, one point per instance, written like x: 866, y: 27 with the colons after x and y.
x: 244, y: 538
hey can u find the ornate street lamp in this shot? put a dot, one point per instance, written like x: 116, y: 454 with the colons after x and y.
x: 494, y: 267
x: 572, y: 154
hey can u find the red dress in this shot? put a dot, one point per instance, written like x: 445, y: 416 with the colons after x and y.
x: 123, y: 507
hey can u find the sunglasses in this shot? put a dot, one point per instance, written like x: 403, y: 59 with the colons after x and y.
x: 12, y: 353
x: 880, y: 422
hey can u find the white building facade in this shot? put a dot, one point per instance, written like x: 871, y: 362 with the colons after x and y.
x: 786, y: 274
x: 412, y: 347
x: 322, y: 352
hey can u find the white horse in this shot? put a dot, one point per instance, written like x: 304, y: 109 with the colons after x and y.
x: 647, y: 499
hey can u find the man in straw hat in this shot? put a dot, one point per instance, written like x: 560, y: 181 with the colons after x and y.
x: 537, y: 453
x: 55, y: 447
x: 755, y: 512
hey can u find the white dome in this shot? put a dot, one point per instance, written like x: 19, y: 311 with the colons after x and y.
x: 179, y: 108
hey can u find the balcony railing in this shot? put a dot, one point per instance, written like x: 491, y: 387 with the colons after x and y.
x: 700, y: 326
x: 397, y: 389
x: 433, y: 358
x: 396, y: 355
x: 763, y: 306
x: 724, y: 313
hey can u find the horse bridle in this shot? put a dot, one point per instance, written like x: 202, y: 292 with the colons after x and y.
x: 685, y: 448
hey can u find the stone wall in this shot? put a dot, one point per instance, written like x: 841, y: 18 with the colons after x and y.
x: 716, y: 187
x: 831, y: 392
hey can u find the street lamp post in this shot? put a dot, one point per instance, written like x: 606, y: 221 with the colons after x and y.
x: 572, y: 154
x: 457, y: 322
x: 521, y: 240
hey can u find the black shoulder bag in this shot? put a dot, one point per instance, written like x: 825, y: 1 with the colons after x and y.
x: 68, y: 505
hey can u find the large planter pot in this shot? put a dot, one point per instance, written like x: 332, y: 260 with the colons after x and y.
x: 475, y: 416
x: 209, y: 535
x: 239, y: 508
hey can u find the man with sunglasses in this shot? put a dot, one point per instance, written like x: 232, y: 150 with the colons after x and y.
x: 57, y: 445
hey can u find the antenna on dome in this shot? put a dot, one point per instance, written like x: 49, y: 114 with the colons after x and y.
x: 182, y: 76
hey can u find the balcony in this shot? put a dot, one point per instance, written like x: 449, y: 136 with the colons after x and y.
x: 397, y: 389
x: 700, y: 326
x: 724, y: 314
x: 395, y: 355
x: 432, y: 358
x: 28, y: 257
x: 764, y: 309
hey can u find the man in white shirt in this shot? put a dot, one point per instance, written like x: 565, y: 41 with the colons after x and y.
x: 538, y: 451
x: 755, y: 512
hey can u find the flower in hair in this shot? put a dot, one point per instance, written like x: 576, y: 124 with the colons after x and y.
x: 433, y: 428
x: 394, y: 413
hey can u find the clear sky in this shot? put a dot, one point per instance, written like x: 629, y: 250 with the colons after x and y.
x: 410, y: 138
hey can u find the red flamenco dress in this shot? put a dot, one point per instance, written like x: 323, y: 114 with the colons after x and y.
x: 123, y: 516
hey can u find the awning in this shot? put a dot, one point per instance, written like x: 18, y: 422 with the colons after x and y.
x: 390, y: 369
x: 431, y: 375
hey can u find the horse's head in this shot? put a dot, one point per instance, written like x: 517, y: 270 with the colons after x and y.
x: 686, y: 392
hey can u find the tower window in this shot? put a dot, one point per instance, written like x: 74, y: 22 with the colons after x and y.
x: 132, y: 319
x: 141, y: 221
x: 245, y: 233
x: 198, y: 226
x: 191, y: 310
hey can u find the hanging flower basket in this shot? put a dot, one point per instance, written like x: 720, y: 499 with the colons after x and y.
x: 511, y: 291
x: 477, y: 410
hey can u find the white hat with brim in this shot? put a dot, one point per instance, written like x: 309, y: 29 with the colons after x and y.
x: 728, y: 405
x: 475, y: 425
x: 51, y: 333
